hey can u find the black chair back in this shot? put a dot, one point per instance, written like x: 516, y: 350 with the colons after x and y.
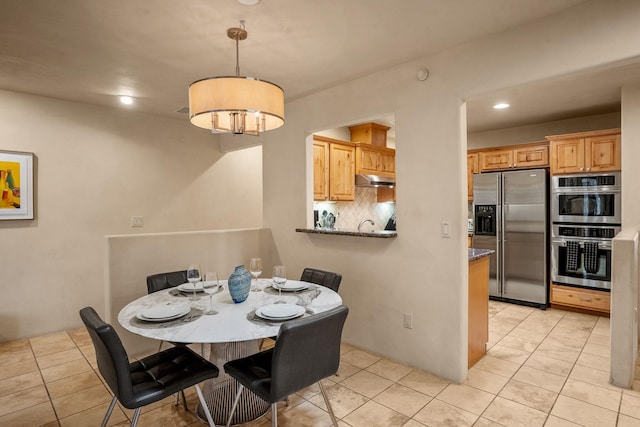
x: 320, y: 277
x: 306, y: 351
x: 113, y: 362
x: 160, y: 281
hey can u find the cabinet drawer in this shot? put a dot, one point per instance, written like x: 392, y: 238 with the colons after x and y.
x: 581, y: 298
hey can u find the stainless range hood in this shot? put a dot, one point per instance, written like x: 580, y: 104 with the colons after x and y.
x: 374, y: 181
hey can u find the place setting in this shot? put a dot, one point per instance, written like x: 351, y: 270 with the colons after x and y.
x: 280, y: 283
x: 166, y: 315
x: 280, y: 311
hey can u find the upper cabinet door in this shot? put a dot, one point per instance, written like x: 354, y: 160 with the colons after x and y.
x: 602, y: 153
x: 496, y: 160
x: 387, y: 163
x: 367, y: 161
x: 567, y: 156
x: 530, y: 157
x: 320, y: 170
x: 342, y: 172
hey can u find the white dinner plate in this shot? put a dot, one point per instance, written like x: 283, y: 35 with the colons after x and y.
x: 160, y: 313
x: 292, y: 286
x: 188, y: 287
x: 280, y: 311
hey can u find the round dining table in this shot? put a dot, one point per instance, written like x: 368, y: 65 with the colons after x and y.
x: 235, y: 332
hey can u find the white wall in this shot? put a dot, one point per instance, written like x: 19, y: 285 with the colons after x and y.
x: 421, y: 272
x: 630, y: 174
x: 95, y: 168
x: 630, y: 156
x: 539, y: 131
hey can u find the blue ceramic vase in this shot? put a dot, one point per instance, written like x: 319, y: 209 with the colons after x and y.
x: 239, y: 284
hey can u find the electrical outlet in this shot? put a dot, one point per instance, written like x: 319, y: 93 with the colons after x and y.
x: 408, y: 321
x: 137, y: 221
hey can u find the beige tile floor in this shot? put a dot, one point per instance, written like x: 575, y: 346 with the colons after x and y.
x: 543, y: 368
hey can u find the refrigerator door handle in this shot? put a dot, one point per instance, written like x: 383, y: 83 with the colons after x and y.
x: 500, y: 235
x: 501, y: 245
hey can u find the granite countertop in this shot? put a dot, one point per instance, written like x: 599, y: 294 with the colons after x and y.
x: 475, y: 254
x: 379, y: 234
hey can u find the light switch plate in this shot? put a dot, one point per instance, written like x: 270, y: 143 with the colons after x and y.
x: 445, y: 229
x: 137, y: 221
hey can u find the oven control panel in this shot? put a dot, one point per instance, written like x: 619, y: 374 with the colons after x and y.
x: 588, y: 232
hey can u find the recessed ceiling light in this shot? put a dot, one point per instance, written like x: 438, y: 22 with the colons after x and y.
x: 501, y: 106
x: 249, y: 2
x: 126, y: 100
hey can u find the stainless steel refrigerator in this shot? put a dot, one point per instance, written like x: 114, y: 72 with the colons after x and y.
x: 511, y: 217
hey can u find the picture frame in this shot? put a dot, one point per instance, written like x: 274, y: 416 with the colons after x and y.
x: 16, y: 185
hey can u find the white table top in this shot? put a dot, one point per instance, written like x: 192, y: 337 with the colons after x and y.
x: 232, y: 323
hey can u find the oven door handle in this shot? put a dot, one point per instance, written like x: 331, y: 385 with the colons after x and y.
x: 605, y: 245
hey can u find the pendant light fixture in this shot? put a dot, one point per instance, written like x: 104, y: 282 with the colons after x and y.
x: 236, y: 104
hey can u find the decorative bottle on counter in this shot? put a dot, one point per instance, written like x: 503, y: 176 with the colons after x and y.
x: 239, y: 284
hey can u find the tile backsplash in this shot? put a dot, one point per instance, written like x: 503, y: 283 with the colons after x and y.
x: 365, y: 206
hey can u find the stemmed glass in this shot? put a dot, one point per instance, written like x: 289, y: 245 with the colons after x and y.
x: 255, y: 268
x: 193, y: 276
x: 210, y: 286
x: 279, y: 277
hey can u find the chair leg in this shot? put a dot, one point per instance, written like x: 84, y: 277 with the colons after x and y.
x: 184, y: 400
x: 136, y: 415
x: 109, y: 411
x: 326, y: 401
x: 235, y: 403
x: 205, y: 406
x: 274, y: 415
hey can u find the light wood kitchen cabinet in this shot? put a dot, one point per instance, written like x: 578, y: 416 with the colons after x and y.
x: 514, y: 157
x: 478, y: 309
x: 472, y: 167
x: 386, y: 194
x: 333, y: 169
x: 320, y: 170
x: 370, y: 133
x: 581, y: 299
x: 341, y: 172
x: 374, y: 160
x: 597, y: 151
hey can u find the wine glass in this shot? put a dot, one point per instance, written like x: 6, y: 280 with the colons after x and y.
x: 255, y: 268
x: 279, y: 277
x: 210, y: 287
x: 193, y: 276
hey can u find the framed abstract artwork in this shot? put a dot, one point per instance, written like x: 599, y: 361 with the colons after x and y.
x: 16, y: 185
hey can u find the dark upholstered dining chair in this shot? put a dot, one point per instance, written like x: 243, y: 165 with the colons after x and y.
x: 307, y: 350
x: 160, y: 281
x: 147, y: 380
x: 320, y: 277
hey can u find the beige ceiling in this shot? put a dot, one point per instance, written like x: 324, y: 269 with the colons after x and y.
x: 94, y: 50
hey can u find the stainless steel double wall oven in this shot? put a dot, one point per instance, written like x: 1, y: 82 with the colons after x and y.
x: 586, y: 215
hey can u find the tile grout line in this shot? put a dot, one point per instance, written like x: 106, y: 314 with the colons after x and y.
x: 44, y: 383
